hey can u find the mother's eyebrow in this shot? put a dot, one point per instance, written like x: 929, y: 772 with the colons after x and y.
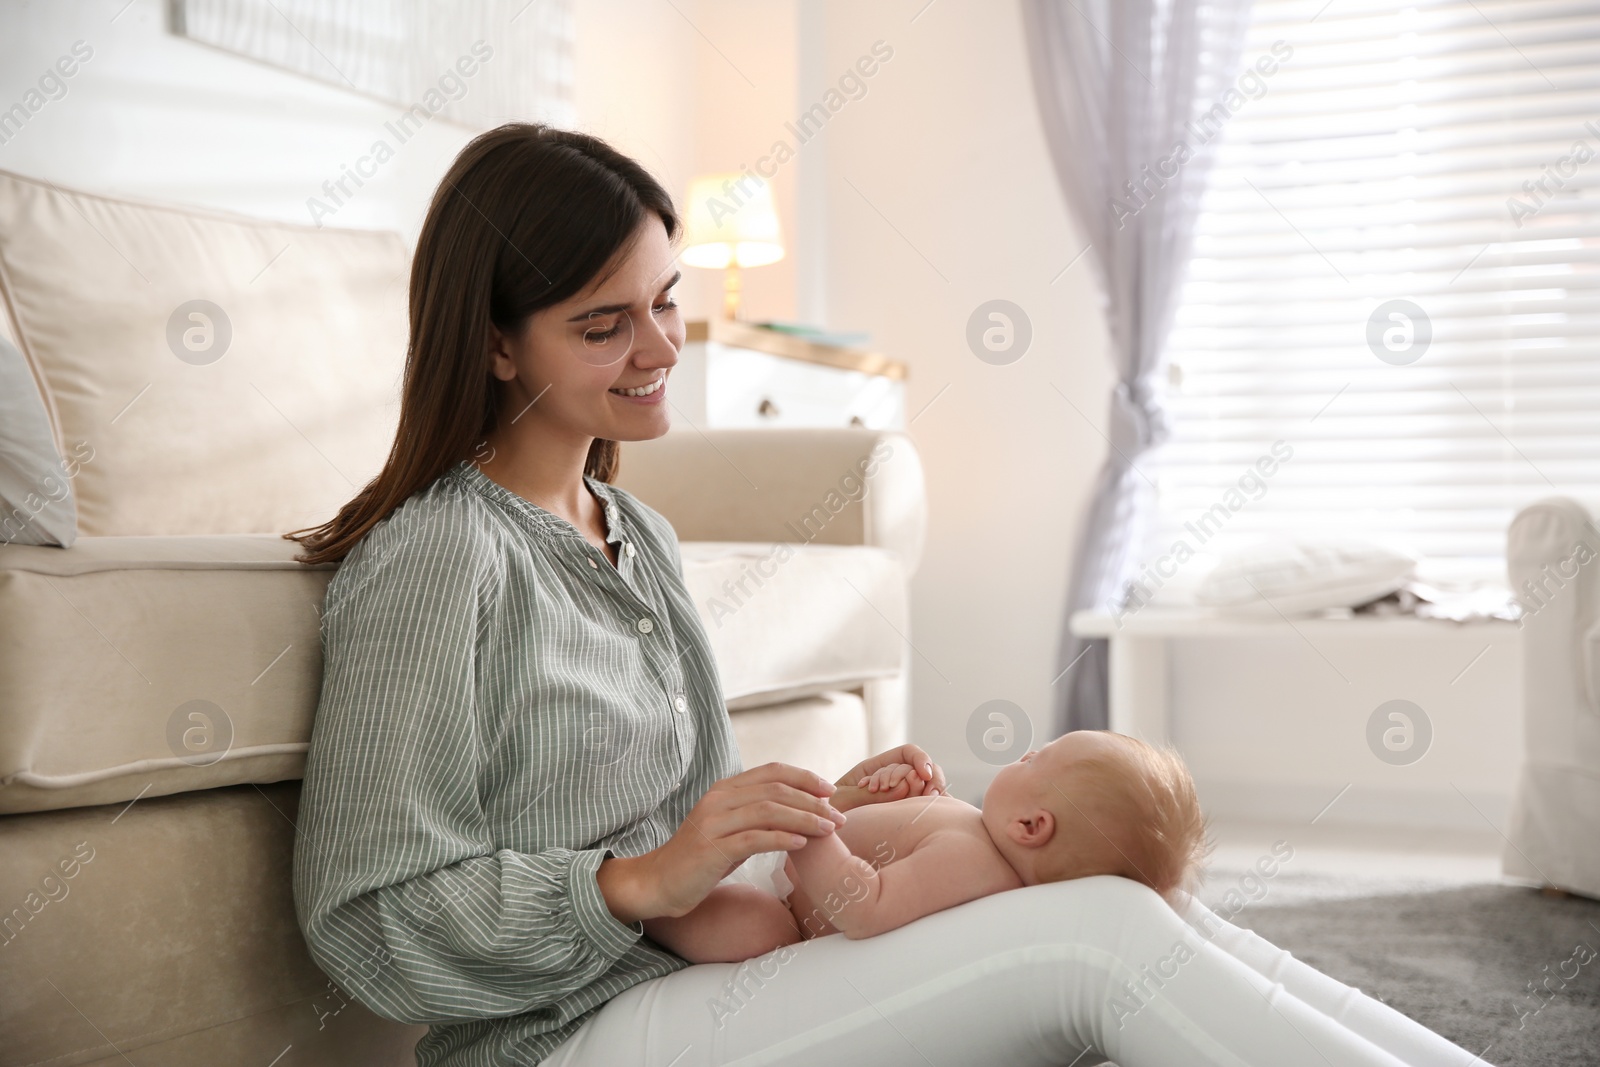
x: 611, y: 309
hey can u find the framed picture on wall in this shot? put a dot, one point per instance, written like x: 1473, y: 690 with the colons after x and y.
x: 476, y: 63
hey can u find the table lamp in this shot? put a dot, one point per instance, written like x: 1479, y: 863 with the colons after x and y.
x: 730, y: 224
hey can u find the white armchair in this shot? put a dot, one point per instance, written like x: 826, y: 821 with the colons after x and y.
x: 1553, y: 558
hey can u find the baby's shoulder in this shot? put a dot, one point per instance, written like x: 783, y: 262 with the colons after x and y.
x: 966, y: 852
x: 952, y: 824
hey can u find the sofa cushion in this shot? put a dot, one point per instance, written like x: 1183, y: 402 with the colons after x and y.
x: 788, y: 620
x: 225, y: 374
x: 155, y: 665
x: 826, y: 733
x: 171, y: 663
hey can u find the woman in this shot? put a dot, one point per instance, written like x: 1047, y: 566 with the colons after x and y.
x: 521, y: 751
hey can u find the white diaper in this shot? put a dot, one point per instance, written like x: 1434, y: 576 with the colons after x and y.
x: 765, y: 871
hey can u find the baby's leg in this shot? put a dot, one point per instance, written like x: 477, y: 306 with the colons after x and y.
x: 733, y: 923
x: 813, y: 919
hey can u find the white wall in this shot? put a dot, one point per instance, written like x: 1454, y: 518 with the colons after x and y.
x: 636, y: 83
x: 941, y: 196
x: 158, y: 116
x: 161, y: 117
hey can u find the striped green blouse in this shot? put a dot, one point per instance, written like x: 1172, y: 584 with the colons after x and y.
x: 501, y: 709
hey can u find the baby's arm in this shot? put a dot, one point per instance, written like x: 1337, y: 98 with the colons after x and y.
x: 943, y: 870
x: 890, y: 780
x: 897, y: 781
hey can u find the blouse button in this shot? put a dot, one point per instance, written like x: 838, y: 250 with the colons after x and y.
x: 593, y: 564
x: 628, y: 547
x: 645, y: 625
x: 680, y: 703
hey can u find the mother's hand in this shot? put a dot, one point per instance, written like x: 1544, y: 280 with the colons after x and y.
x: 771, y: 808
x: 931, y: 773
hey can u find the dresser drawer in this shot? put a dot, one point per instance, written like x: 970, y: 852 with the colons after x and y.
x: 734, y: 376
x: 746, y: 388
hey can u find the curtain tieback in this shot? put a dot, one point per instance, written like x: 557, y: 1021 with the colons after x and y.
x: 1138, y: 422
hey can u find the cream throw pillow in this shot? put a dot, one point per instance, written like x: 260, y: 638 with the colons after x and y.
x: 1297, y: 576
x: 36, y: 505
x: 227, y: 375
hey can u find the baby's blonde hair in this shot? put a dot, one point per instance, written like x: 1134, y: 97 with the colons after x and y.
x: 1143, y: 820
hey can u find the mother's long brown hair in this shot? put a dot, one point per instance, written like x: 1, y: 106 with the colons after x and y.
x: 526, y: 217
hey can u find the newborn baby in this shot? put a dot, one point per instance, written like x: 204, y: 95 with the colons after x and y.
x: 1090, y: 802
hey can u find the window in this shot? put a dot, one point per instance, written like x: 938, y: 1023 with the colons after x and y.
x: 1396, y: 273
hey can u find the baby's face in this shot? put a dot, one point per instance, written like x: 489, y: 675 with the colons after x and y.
x: 1054, y: 801
x: 1045, y: 774
x: 1044, y: 770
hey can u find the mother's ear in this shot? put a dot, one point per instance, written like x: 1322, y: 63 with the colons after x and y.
x: 502, y: 355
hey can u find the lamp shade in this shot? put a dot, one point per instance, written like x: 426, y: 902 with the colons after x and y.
x: 731, y: 221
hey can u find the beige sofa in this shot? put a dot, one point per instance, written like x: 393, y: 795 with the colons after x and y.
x: 158, y: 677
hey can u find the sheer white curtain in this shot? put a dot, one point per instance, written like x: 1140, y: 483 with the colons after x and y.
x: 1128, y: 92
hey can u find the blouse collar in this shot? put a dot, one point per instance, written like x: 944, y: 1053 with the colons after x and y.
x: 469, y: 474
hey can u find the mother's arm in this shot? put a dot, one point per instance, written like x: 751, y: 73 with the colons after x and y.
x: 771, y: 808
x: 401, y: 892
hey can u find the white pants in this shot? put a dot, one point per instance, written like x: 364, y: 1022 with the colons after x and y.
x: 1055, y: 974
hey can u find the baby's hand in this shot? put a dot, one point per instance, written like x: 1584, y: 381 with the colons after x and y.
x: 896, y: 781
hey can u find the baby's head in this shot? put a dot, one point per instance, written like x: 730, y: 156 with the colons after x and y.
x: 1096, y: 802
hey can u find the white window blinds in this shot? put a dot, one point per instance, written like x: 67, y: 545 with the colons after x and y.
x: 1397, y: 274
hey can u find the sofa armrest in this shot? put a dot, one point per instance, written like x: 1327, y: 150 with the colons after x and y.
x: 1553, y: 563
x: 849, y: 486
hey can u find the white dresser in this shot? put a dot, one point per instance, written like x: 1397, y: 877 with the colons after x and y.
x: 732, y: 375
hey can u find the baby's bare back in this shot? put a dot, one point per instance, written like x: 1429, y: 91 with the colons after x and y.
x: 955, y: 862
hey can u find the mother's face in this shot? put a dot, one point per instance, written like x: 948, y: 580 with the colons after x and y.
x: 596, y: 365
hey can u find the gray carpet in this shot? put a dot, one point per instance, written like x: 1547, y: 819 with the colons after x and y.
x: 1458, y: 960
